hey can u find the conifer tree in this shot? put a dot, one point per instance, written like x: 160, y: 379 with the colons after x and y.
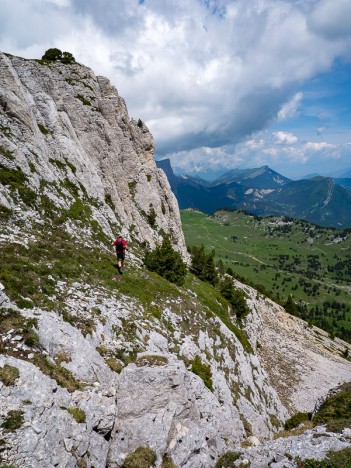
x: 166, y: 262
x: 235, y: 297
x: 202, y: 264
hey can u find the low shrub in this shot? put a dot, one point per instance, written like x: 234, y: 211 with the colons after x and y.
x: 114, y: 365
x: 151, y: 360
x: 167, y: 462
x: 13, y: 421
x: 151, y: 217
x: 339, y: 459
x: 335, y: 412
x: 43, y: 129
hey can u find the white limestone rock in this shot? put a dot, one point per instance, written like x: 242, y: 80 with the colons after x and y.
x: 171, y: 411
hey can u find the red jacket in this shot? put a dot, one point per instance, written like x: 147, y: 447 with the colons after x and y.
x: 124, y: 245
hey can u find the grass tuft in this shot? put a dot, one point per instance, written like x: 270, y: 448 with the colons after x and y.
x: 9, y: 375
x: 142, y: 457
x: 203, y: 371
x: 13, y: 421
x: 78, y: 414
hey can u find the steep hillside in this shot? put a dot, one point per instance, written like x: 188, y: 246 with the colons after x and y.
x: 98, y: 369
x: 346, y: 183
x: 319, y: 200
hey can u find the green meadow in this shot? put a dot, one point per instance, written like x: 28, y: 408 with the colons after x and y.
x: 282, y: 256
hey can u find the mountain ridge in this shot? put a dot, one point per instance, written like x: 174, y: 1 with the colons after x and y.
x: 326, y: 201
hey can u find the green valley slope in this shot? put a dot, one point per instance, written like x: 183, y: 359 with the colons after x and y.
x: 285, y: 257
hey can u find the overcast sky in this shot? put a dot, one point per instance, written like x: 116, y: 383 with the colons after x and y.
x: 220, y: 83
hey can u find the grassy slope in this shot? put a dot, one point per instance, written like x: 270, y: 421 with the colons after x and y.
x: 283, y: 262
x: 30, y: 275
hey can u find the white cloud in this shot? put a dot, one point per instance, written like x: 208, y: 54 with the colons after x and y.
x: 254, y: 144
x: 289, y: 109
x: 318, y: 146
x: 202, y: 74
x: 321, y: 130
x: 285, y: 137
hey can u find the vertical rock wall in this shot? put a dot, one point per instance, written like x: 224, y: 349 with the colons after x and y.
x: 62, y: 122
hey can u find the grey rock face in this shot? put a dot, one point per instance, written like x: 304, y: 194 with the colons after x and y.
x: 171, y: 411
x: 303, y: 362
x: 49, y: 435
x: 62, y: 123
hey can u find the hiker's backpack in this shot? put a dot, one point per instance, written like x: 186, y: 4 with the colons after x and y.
x: 120, y: 246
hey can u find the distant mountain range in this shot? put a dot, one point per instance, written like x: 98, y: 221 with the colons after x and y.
x: 321, y: 200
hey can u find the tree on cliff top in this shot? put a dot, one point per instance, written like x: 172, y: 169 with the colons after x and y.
x: 54, y: 55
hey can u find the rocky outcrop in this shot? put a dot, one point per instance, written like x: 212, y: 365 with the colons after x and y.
x: 70, y: 133
x: 302, y: 361
x: 156, y: 401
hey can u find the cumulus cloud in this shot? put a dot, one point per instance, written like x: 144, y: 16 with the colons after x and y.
x: 200, y: 73
x: 292, y: 157
x: 285, y: 137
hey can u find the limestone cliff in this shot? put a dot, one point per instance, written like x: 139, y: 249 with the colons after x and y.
x: 94, y: 365
x: 70, y: 133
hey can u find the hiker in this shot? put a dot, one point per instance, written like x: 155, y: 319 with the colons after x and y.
x: 121, y: 247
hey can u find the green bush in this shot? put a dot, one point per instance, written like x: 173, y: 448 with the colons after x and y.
x: 5, y: 213
x: 15, y: 179
x: 52, y: 55
x: 203, y: 371
x: 43, y: 129
x: 13, y: 421
x: 142, y: 457
x: 151, y: 217
x: 166, y: 262
x: 67, y: 58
